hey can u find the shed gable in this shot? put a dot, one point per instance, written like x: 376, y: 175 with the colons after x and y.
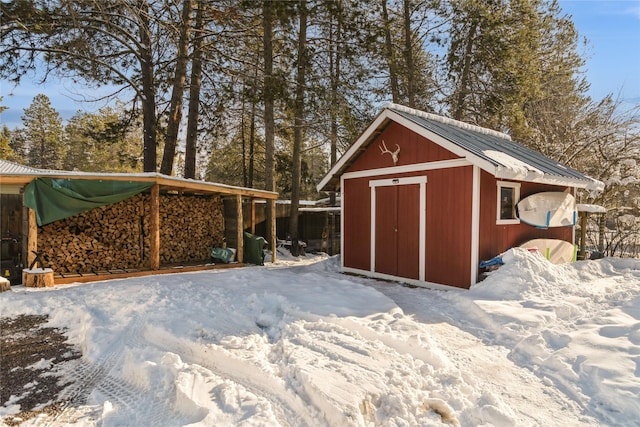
x: 414, y: 148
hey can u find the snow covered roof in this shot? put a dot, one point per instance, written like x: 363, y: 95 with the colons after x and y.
x: 492, y: 151
x: 12, y: 174
x: 583, y: 207
x: 7, y: 167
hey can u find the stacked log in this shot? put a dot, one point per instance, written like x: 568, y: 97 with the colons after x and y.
x: 116, y: 237
x: 189, y: 227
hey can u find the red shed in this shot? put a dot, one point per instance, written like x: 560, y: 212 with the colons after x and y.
x: 420, y: 197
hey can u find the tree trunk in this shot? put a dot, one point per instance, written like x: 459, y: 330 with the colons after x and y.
x: 393, y: 75
x: 252, y: 142
x: 243, y: 136
x: 334, y: 70
x: 466, y: 70
x: 148, y: 90
x: 298, y: 129
x: 408, y: 54
x: 194, y: 95
x: 179, y: 80
x: 269, y: 125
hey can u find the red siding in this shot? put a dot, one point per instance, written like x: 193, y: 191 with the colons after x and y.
x: 357, y: 223
x: 413, y: 149
x: 448, y: 226
x: 448, y: 255
x: 495, y: 239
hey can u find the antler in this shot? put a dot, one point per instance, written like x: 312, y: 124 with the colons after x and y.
x: 394, y: 155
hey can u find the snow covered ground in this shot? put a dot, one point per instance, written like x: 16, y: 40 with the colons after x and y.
x: 298, y: 344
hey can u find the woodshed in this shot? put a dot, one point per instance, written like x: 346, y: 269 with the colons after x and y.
x: 131, y: 224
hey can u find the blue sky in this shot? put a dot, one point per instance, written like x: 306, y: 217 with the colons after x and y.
x: 612, y: 28
x: 613, y: 53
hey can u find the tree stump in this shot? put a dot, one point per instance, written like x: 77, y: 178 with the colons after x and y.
x: 37, y: 278
x: 5, y: 285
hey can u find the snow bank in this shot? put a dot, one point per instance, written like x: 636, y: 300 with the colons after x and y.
x: 577, y: 326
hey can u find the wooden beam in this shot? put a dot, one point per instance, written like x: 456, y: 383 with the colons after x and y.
x: 239, y: 229
x: 601, y: 227
x: 31, y: 236
x: 62, y: 279
x: 168, y: 182
x: 154, y: 250
x: 253, y: 216
x: 271, y: 206
x: 583, y: 235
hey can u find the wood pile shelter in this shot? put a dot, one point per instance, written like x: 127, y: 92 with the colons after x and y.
x: 426, y: 198
x: 140, y: 223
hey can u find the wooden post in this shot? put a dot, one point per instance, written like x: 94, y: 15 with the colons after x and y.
x: 253, y: 216
x: 31, y: 236
x: 601, y: 234
x: 583, y: 235
x: 154, y: 250
x: 271, y: 206
x: 240, y: 229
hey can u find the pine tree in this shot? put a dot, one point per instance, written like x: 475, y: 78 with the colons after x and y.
x: 102, y: 142
x: 44, y: 134
x: 6, y: 151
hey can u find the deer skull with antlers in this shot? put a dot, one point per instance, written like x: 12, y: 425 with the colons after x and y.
x: 394, y: 155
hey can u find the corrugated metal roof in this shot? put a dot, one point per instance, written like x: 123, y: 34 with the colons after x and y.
x: 480, y: 143
x: 7, y: 167
x: 12, y: 174
x: 488, y: 149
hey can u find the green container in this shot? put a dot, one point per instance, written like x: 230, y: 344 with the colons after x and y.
x: 254, y: 249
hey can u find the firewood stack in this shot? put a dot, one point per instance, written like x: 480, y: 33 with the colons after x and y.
x: 189, y: 227
x: 116, y: 237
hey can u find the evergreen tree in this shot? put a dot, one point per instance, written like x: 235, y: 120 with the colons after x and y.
x: 6, y: 150
x: 44, y: 134
x: 102, y: 142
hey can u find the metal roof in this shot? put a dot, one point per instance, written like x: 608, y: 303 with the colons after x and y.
x: 7, y: 167
x: 14, y: 174
x: 492, y: 151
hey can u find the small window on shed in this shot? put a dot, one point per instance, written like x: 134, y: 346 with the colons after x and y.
x: 508, y: 197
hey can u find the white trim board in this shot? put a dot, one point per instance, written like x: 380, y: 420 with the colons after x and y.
x: 475, y: 224
x: 416, y: 167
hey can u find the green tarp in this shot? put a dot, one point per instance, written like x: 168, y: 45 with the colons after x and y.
x: 54, y: 199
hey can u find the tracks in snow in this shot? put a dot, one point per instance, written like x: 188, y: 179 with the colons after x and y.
x: 290, y: 409
x: 135, y: 406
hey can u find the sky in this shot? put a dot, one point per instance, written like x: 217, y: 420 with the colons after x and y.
x: 613, y: 54
x: 612, y: 28
x: 297, y: 343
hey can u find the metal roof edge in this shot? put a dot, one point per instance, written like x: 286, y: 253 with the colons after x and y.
x: 535, y: 176
x: 449, y: 121
x: 24, y: 178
